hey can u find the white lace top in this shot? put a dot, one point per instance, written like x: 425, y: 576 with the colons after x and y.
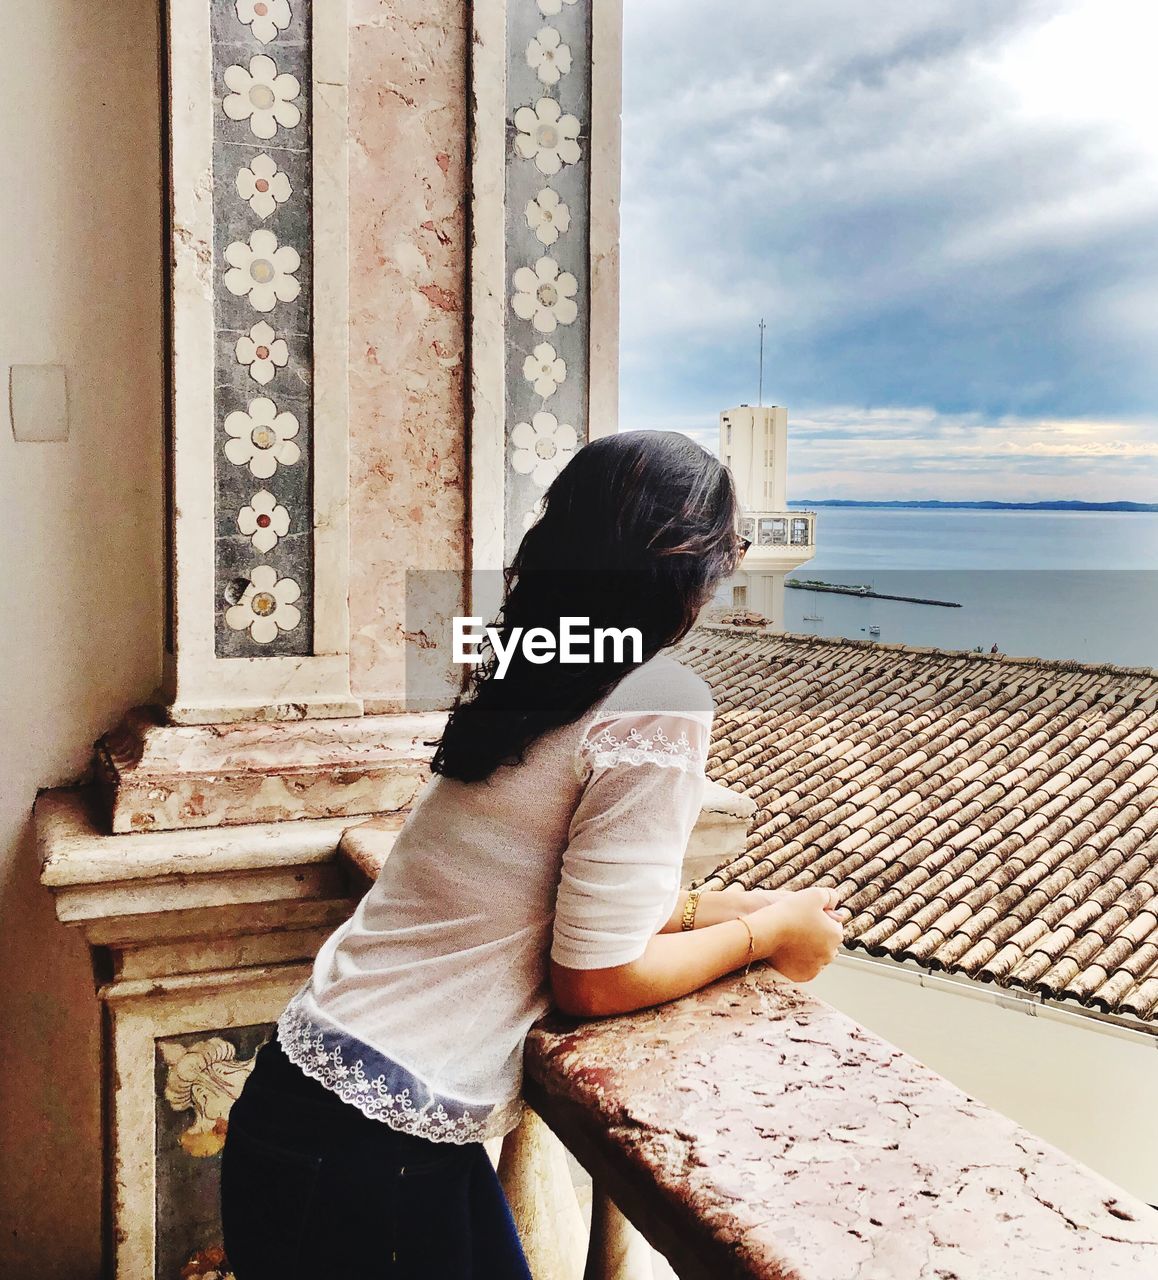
x: 419, y: 1005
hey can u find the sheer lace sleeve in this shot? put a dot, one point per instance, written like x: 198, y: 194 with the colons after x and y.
x: 621, y: 868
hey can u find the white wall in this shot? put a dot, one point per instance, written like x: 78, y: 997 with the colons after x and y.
x: 80, y: 554
x: 757, y: 454
x: 765, y: 593
x: 1086, y: 1090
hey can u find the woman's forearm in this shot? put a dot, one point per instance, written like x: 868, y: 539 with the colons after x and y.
x: 673, y: 965
x: 718, y: 905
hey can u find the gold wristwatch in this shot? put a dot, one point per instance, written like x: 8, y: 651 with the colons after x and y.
x: 689, y: 916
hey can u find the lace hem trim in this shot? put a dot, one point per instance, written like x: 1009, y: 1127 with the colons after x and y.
x: 381, y: 1089
x: 604, y: 750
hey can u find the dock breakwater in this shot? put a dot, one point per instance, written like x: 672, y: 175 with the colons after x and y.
x: 867, y: 593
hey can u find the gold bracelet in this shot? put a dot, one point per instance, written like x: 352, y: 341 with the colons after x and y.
x: 751, y: 942
x: 689, y: 916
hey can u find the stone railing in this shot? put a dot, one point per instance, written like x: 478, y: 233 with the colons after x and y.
x: 751, y: 1131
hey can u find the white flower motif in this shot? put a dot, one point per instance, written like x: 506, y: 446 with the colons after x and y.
x: 533, y: 516
x: 262, y: 351
x: 264, y: 185
x: 545, y: 296
x: 542, y: 447
x: 266, y: 605
x: 261, y: 96
x: 545, y: 369
x: 547, y: 216
x: 551, y: 7
x: 263, y: 271
x: 261, y: 438
x: 265, y: 18
x: 547, y: 136
x: 548, y: 57
x: 263, y: 521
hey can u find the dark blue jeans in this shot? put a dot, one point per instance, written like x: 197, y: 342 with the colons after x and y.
x: 311, y: 1189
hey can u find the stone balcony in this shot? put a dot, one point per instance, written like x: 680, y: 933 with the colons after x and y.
x: 747, y: 1130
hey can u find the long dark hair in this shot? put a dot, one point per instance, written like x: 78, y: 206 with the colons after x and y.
x: 636, y: 531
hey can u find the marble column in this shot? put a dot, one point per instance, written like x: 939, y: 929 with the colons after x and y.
x: 257, y: 411
x: 346, y: 248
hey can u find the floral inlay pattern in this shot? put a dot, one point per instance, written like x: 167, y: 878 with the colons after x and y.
x: 548, y: 57
x: 263, y: 521
x: 261, y: 438
x: 535, y: 512
x: 263, y: 270
x: 265, y: 18
x: 548, y: 216
x: 544, y: 370
x: 548, y: 220
x: 266, y: 607
x: 263, y: 185
x: 545, y: 295
x: 542, y: 447
x: 547, y: 136
x: 263, y: 96
x: 262, y: 352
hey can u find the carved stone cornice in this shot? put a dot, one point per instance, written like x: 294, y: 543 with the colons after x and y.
x: 156, y: 776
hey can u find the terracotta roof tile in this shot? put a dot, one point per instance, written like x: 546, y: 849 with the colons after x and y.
x: 992, y: 817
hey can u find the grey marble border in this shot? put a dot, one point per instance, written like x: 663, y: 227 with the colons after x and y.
x: 524, y: 180
x: 235, y: 146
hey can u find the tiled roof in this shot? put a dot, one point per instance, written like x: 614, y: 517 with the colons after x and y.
x: 991, y: 817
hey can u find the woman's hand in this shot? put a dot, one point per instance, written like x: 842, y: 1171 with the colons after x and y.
x: 798, y: 932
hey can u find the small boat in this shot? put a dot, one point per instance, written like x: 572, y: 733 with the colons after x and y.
x: 813, y: 617
x: 874, y: 631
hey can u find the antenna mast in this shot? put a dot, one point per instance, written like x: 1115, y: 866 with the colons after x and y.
x: 760, y: 395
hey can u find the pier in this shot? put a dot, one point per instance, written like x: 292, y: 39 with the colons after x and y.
x: 842, y: 589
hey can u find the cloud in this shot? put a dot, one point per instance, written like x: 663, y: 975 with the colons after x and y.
x: 944, y: 208
x: 917, y: 453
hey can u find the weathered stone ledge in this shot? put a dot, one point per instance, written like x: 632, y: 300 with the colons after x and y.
x: 749, y: 1130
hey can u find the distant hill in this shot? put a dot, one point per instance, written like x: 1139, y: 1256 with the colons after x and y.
x: 934, y: 504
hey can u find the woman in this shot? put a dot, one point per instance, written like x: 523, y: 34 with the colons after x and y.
x: 541, y: 866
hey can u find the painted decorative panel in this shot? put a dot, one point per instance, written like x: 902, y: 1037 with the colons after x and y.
x: 263, y: 330
x: 198, y: 1078
x: 547, y: 199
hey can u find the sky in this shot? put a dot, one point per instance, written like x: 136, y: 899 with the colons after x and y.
x: 946, y: 212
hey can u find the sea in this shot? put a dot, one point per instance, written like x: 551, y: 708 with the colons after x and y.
x: 1069, y: 585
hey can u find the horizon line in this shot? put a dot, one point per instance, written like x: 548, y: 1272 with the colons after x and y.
x: 1121, y: 504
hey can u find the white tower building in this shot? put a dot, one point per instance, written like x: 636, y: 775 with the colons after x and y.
x: 754, y: 444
